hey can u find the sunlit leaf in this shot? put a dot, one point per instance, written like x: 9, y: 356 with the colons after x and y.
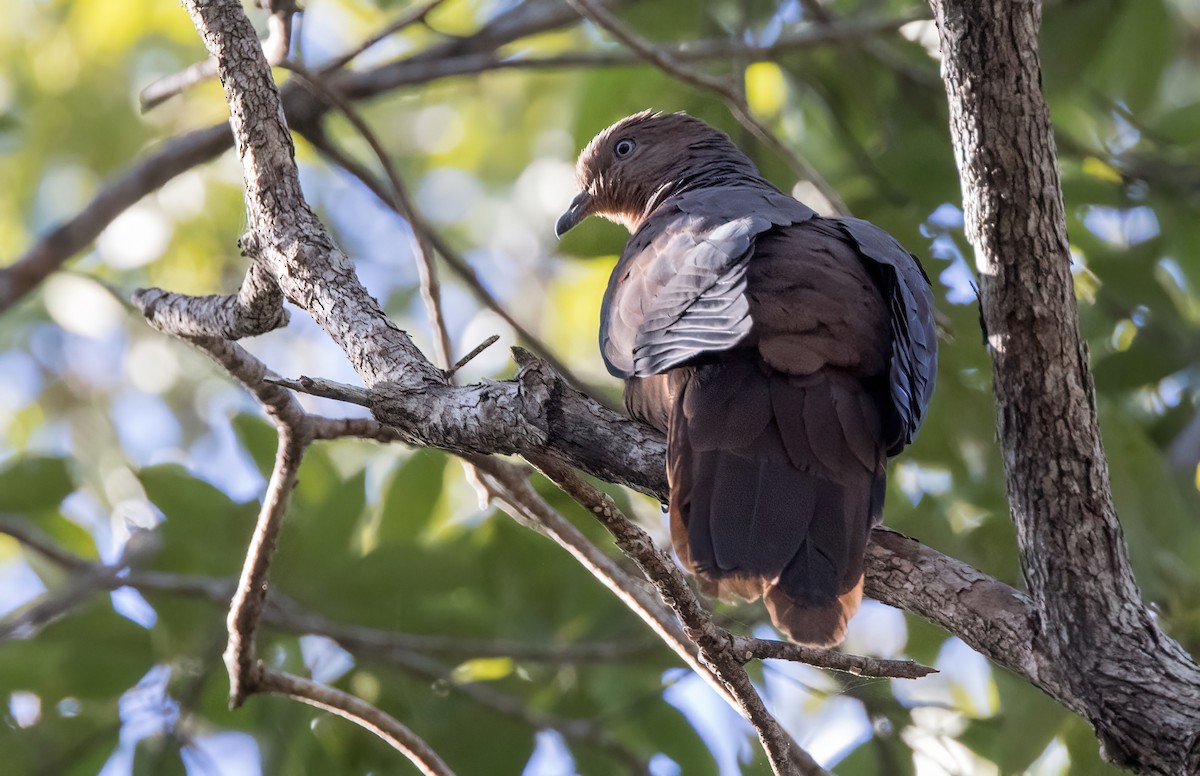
x: 766, y: 88
x: 483, y: 669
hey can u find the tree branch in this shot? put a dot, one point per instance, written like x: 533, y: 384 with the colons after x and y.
x: 453, y: 259
x: 747, y: 648
x: 360, y: 713
x: 275, y: 49
x: 245, y: 670
x: 256, y: 309
x: 402, y: 203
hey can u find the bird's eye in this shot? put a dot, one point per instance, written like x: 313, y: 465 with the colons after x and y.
x: 623, y: 148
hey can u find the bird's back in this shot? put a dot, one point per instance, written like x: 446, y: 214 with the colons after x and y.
x: 776, y: 458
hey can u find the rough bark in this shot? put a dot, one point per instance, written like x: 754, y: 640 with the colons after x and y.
x: 1096, y: 647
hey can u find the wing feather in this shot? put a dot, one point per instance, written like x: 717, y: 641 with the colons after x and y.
x: 909, y: 294
x: 679, y: 289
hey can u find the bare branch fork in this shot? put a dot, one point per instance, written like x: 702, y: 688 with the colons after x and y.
x: 297, y: 429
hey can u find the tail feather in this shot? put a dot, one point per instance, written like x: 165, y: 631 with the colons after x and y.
x: 816, y: 624
x: 770, y: 492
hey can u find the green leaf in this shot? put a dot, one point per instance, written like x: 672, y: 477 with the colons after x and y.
x: 259, y: 438
x: 1181, y: 125
x: 410, y: 499
x: 1084, y: 749
x: 1024, y: 726
x: 1145, y: 27
x: 316, y: 538
x: 205, y: 532
x: 94, y: 653
x: 34, y: 484
x: 76, y: 745
x: 1157, y: 510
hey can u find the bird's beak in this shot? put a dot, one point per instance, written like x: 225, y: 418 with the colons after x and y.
x: 581, y: 208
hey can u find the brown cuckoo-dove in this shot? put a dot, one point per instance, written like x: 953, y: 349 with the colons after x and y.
x: 785, y: 356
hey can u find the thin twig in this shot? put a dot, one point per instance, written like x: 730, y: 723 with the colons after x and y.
x: 256, y: 308
x: 279, y: 29
x: 245, y: 670
x: 168, y: 86
x: 86, y: 579
x: 482, y: 346
x: 36, y: 540
x: 747, y: 648
x: 316, y: 386
x: 360, y: 713
x: 410, y: 17
x: 723, y: 88
x: 364, y: 428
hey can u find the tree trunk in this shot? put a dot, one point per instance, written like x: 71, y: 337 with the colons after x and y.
x: 1096, y: 647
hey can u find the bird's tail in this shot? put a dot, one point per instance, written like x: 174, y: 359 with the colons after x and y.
x: 776, y: 481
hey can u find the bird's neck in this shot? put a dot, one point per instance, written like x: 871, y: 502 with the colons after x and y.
x: 717, y: 173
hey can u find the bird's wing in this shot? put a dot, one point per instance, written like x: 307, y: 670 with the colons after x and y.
x: 909, y: 295
x: 679, y: 288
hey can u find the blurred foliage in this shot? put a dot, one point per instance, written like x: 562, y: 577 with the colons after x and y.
x: 109, y: 431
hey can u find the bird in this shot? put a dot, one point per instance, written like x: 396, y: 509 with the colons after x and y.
x: 785, y: 355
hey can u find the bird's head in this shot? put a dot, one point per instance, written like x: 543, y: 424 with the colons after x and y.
x: 643, y: 157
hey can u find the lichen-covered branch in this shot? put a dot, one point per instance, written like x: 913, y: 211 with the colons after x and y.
x: 256, y: 309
